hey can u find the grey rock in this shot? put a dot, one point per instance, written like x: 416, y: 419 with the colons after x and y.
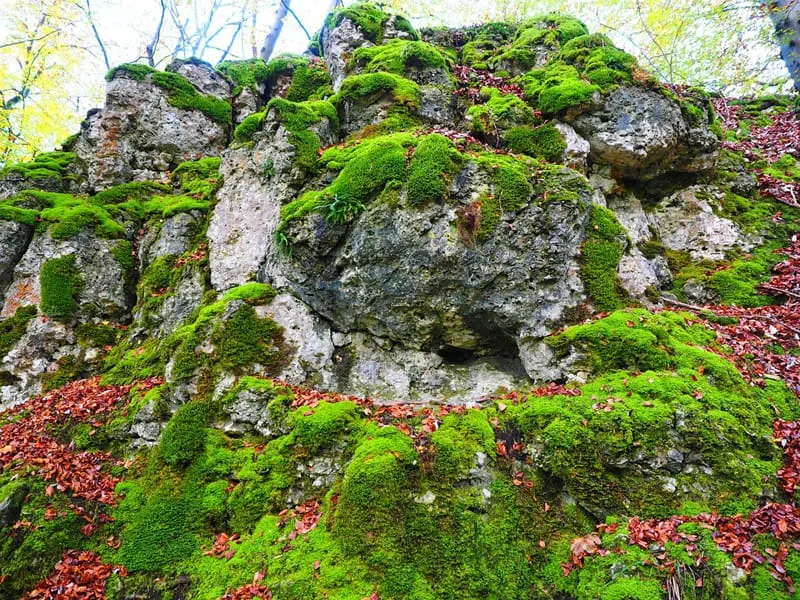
x: 104, y: 292
x: 45, y: 341
x: 338, y: 45
x: 138, y: 135
x: 407, y: 274
x: 697, y: 293
x: 577, y: 153
x: 630, y: 214
x: 248, y: 209
x: 438, y: 105
x: 202, y: 76
x: 306, y: 334
x: 636, y: 274
x: 14, y: 240
x: 172, y: 236
x: 661, y: 269
x: 642, y: 134
x: 686, y: 221
x: 12, y: 499
x: 245, y: 103
x: 179, y: 305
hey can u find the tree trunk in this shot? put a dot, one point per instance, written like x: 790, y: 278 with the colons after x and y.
x: 275, y: 31
x: 785, y: 16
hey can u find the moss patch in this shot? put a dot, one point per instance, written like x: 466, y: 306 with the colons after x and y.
x: 398, y: 56
x: 13, y: 328
x: 600, y: 255
x: 61, y: 284
x: 434, y: 162
x: 48, y: 165
x: 544, y: 142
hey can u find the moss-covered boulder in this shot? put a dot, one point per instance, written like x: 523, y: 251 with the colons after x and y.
x: 151, y: 122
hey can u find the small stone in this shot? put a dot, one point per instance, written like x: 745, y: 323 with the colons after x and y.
x: 427, y: 498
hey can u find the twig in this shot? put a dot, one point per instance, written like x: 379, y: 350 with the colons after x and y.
x: 296, y: 18
x: 780, y: 291
x: 151, y: 47
x: 701, y: 309
x: 97, y: 34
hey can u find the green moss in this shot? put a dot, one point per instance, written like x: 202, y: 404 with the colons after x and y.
x: 510, y: 178
x: 134, y: 70
x: 61, y: 284
x: 635, y: 340
x: 249, y: 126
x: 601, y: 252
x: 13, y: 328
x: 433, y: 164
x: 126, y: 192
x: 67, y: 215
x: 367, y: 169
x: 124, y: 255
x: 184, y: 436
x: 245, y: 340
x: 456, y: 442
x: 126, y: 363
x: 250, y: 73
x: 96, y: 336
x: 376, y: 485
x: 200, y: 179
x: 160, y: 527
x: 321, y: 426
x: 44, y: 166
x: 543, y: 32
x: 566, y: 94
x: 406, y: 93
x: 182, y: 94
x: 500, y: 112
x: 544, y: 142
x: 298, y: 117
x: 398, y: 56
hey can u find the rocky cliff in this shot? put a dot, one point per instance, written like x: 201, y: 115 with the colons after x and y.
x: 387, y: 320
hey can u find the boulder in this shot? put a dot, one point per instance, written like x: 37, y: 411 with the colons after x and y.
x: 141, y: 135
x: 642, y: 133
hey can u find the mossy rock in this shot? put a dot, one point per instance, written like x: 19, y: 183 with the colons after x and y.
x: 180, y: 92
x: 370, y: 19
x: 61, y: 284
x: 415, y: 60
x: 499, y: 113
x: 13, y: 328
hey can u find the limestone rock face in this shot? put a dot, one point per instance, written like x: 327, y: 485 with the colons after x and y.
x: 686, y: 221
x: 338, y: 45
x: 14, y: 240
x: 643, y: 134
x: 139, y: 135
x: 407, y: 275
x: 103, y: 290
x: 257, y: 182
x: 202, y: 76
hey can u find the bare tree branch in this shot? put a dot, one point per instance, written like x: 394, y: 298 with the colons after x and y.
x: 88, y: 11
x: 151, y: 47
x: 296, y: 18
x: 275, y: 31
